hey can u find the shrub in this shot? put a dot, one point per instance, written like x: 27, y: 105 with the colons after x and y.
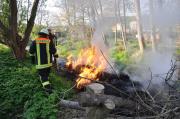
x: 21, y: 93
x: 120, y: 58
x: 71, y: 47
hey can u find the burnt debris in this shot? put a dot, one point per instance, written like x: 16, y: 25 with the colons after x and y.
x: 113, y: 84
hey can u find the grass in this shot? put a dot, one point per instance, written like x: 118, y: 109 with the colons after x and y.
x: 21, y: 93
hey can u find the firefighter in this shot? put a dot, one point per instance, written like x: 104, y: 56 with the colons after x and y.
x: 52, y: 37
x: 42, y: 51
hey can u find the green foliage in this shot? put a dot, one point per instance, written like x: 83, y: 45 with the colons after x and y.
x: 133, y: 44
x: 41, y: 106
x: 120, y: 57
x: 71, y: 47
x: 24, y: 9
x: 22, y: 14
x: 18, y: 83
x: 4, y: 15
x: 21, y: 93
x: 178, y: 51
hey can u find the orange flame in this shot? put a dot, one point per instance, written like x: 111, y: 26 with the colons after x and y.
x: 91, y: 64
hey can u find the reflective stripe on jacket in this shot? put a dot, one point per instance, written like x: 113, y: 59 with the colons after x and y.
x: 42, y: 49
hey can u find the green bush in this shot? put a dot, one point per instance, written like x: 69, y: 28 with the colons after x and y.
x: 119, y: 55
x: 40, y: 106
x: 21, y: 93
x: 120, y: 58
x: 71, y: 47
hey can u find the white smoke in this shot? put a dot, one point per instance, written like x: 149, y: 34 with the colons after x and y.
x: 101, y: 28
x: 155, y: 65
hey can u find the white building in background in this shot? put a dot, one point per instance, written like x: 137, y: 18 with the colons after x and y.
x: 133, y: 26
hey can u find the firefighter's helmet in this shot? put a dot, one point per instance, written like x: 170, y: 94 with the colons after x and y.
x: 44, y: 31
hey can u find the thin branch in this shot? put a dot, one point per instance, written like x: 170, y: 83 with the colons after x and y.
x: 30, y: 23
x: 109, y: 64
x: 142, y: 101
x: 66, y: 91
x: 150, y: 80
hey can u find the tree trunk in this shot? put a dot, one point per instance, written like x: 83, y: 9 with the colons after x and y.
x: 101, y: 9
x: 122, y: 28
x: 13, y: 39
x: 30, y: 24
x: 19, y: 52
x: 70, y: 104
x: 67, y: 12
x: 13, y: 24
x: 139, y: 26
x: 161, y: 30
x: 83, y: 21
x: 86, y: 99
x: 124, y: 15
x: 116, y: 35
x: 151, y: 6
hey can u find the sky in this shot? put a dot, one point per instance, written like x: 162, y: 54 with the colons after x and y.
x: 53, y: 13
x: 56, y: 11
x: 51, y: 7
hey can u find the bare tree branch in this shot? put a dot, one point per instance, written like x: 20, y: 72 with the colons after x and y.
x: 31, y: 20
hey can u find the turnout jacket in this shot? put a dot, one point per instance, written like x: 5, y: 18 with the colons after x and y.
x: 41, y: 51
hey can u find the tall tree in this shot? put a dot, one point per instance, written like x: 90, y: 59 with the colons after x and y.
x: 124, y: 19
x: 160, y: 25
x: 151, y: 8
x: 139, y: 26
x: 11, y: 36
x: 121, y: 23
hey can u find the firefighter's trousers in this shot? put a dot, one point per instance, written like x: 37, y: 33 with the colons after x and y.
x: 44, y: 74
